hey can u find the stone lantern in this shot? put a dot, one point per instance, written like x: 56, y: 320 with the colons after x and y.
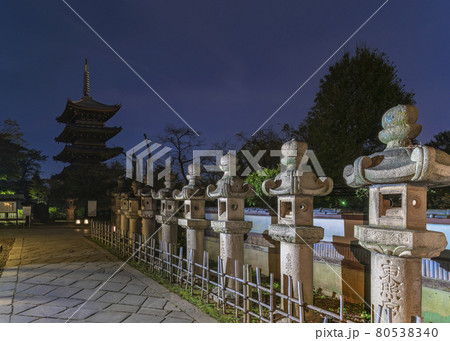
x: 117, y: 202
x: 133, y: 207
x: 397, y: 236
x: 124, y: 207
x: 295, y: 190
x: 194, y: 196
x: 147, y: 212
x: 231, y: 192
x: 169, y: 207
x: 70, y: 210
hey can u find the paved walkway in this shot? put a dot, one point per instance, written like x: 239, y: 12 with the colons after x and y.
x: 51, y: 272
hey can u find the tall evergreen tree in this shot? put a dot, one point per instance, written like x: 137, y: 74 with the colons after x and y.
x: 345, y: 120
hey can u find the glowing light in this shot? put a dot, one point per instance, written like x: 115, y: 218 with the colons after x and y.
x: 86, y: 221
x: 78, y: 221
x: 114, y: 228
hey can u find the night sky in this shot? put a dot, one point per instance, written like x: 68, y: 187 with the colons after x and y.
x: 225, y: 66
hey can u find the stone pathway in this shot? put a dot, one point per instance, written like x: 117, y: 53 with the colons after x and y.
x: 51, y: 272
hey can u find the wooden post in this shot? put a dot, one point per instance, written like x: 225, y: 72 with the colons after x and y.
x: 301, y: 302
x: 258, y: 287
x: 271, y: 300
x: 244, y: 294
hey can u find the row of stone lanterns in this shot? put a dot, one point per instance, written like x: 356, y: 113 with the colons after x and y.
x: 396, y: 236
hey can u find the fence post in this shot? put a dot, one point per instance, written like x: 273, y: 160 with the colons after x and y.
x: 378, y: 314
x: 301, y: 304
x: 192, y: 270
x: 258, y: 287
x: 341, y: 308
x: 244, y: 294
x: 236, y: 288
x: 169, y: 261
x: 271, y: 300
x: 249, y: 272
x: 289, y: 299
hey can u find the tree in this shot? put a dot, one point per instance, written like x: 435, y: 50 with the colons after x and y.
x: 182, y: 141
x: 441, y: 141
x: 18, y: 163
x: 38, y: 189
x: 265, y: 139
x: 345, y: 120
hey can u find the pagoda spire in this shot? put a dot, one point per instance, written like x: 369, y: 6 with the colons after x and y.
x: 86, y: 80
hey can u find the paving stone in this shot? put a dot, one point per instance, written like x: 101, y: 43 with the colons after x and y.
x: 49, y: 320
x: 43, y: 311
x: 23, y: 286
x: 9, y: 279
x: 58, y: 272
x: 99, y: 277
x: 20, y: 307
x: 170, y: 306
x: 75, y: 314
x: 7, y: 286
x: 179, y: 314
x: 66, y: 302
x: 111, y: 297
x: 77, y: 275
x: 22, y: 319
x: 120, y: 279
x: 85, y: 294
x: 153, y: 302
x: 9, y: 272
x: 133, y: 289
x: 111, y: 286
x: 6, y: 300
x: 19, y: 298
x: 151, y: 292
x: 39, y: 290
x: 86, y: 284
x: 6, y: 293
x: 63, y: 281
x: 151, y: 311
x: 135, y: 300
x: 122, y: 307
x: 64, y: 292
x: 5, y: 309
x: 4, y: 318
x: 176, y: 320
x: 94, y: 305
x: 108, y: 317
x: 40, y: 279
x: 138, y: 318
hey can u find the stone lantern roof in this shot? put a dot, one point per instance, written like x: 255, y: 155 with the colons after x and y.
x: 231, y: 185
x: 194, y: 190
x: 293, y: 182
x: 401, y: 161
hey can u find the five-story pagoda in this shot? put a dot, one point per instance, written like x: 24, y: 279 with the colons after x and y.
x: 86, y: 177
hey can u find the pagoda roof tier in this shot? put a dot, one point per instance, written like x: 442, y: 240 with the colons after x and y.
x: 87, y: 109
x: 85, y: 132
x: 80, y: 153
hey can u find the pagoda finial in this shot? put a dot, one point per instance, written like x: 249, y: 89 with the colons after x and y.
x: 86, y: 80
